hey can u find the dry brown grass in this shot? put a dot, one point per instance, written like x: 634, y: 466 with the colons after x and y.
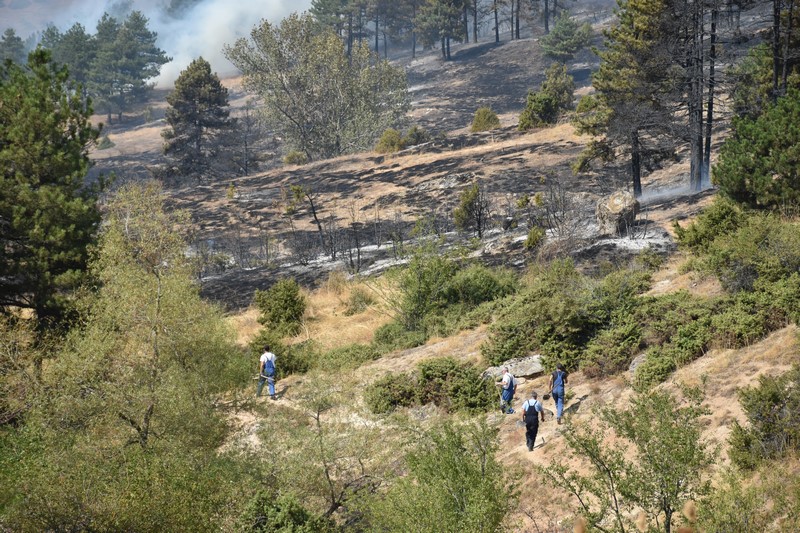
x: 670, y: 279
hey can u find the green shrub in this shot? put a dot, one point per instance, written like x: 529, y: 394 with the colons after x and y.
x: 722, y: 217
x: 656, y: 367
x: 105, y: 143
x: 394, y: 336
x: 536, y: 236
x: 661, y: 316
x: 415, y: 136
x: 280, y: 513
x: 735, y: 506
x: 455, y: 386
x: 282, y: 306
x: 540, y: 110
x: 612, y: 350
x: 390, y: 141
x: 351, y: 356
x: 359, y: 301
x: 295, y: 157
x: 773, y: 424
x: 485, y: 119
x: 560, y: 85
x: 476, y: 284
x: 297, y: 358
x: 741, y: 323
x: 390, y: 392
x: 423, y: 286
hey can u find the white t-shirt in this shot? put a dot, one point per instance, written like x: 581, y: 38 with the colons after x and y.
x: 266, y: 356
x: 508, y: 381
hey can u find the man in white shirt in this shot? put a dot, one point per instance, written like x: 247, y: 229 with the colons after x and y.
x: 266, y: 372
x: 508, y: 387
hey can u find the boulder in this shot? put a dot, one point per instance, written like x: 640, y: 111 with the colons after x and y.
x: 638, y: 360
x: 520, y: 367
x: 616, y: 213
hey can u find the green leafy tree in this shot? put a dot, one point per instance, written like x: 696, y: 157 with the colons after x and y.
x: 129, y: 419
x: 757, y: 166
x: 282, y: 306
x: 74, y: 48
x: 198, y: 120
x: 566, y: 39
x: 636, y: 84
x: 485, y: 119
x: 440, y: 21
x: 473, y: 211
x: 454, y: 483
x: 656, y: 463
x: 127, y: 58
x: 556, y: 94
x: 322, y: 101
x: 49, y: 215
x: 12, y: 47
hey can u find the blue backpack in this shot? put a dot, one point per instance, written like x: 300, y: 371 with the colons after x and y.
x: 269, y: 368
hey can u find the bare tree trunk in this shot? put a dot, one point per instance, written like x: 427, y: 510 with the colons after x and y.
x: 414, y: 32
x: 546, y: 16
x: 511, y: 26
x: 712, y: 56
x: 466, y: 23
x: 517, y: 18
x: 785, y: 62
x: 776, y: 46
x: 696, y: 99
x: 496, y: 23
x: 636, y: 164
x: 474, y: 21
x: 377, y: 20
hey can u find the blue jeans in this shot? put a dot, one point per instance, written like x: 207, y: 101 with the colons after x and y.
x: 558, y: 397
x: 270, y: 382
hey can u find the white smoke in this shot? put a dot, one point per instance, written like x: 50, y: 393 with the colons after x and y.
x: 203, y: 30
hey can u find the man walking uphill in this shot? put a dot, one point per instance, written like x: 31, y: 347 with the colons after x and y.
x: 266, y: 372
x: 531, y: 410
x: 508, y: 386
x: 558, y: 384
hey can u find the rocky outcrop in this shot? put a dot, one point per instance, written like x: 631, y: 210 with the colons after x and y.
x: 520, y: 367
x: 616, y: 213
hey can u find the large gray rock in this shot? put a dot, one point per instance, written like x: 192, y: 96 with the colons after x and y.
x: 616, y: 213
x: 520, y: 367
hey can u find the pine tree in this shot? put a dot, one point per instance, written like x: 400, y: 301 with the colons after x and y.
x: 440, y: 21
x: 48, y: 215
x: 12, y: 47
x: 198, y: 120
x: 566, y: 39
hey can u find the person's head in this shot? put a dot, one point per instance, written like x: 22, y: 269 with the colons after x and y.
x: 505, y: 370
x: 559, y: 366
x: 534, y: 395
x: 266, y: 347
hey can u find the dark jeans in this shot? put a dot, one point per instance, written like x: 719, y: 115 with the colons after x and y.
x: 530, y: 434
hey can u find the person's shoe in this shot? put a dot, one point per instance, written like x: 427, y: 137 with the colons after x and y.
x: 273, y: 397
x: 510, y: 412
x: 558, y: 420
x: 530, y: 448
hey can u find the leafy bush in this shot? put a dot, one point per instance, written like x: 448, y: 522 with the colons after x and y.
x: 662, y: 316
x: 282, y: 306
x: 485, y: 119
x: 476, y: 284
x: 566, y: 38
x: 735, y: 506
x: 773, y: 422
x: 295, y: 157
x: 560, y: 85
x: 415, y: 136
x: 281, y: 513
x: 390, y: 141
x: 541, y: 109
x: 358, y: 301
x: 722, y: 217
x: 105, y: 143
x: 536, y: 236
x: 390, y: 392
x: 612, y: 350
x: 757, y: 165
x: 395, y: 336
x: 455, y: 386
x: 351, y: 356
x: 656, y: 367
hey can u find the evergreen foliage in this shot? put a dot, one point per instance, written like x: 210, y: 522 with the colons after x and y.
x: 323, y: 102
x: 197, y: 120
x: 12, y: 48
x: 556, y: 95
x: 282, y: 306
x: 49, y: 215
x: 439, y: 22
x: 566, y: 38
x: 455, y: 483
x: 758, y: 166
x: 390, y: 141
x: 473, y: 211
x: 484, y: 120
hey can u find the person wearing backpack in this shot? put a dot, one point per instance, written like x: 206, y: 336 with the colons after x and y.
x: 558, y: 384
x: 266, y: 372
x: 531, y: 410
x: 508, y: 386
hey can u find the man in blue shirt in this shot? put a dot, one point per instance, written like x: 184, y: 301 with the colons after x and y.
x: 531, y: 410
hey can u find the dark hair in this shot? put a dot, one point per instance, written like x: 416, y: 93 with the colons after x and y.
x: 559, y: 366
x: 266, y: 347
